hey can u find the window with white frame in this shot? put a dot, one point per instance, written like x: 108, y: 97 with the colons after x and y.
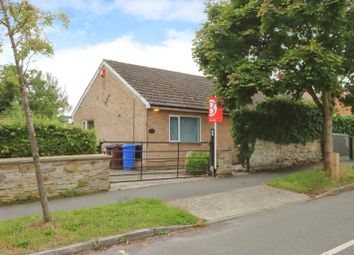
x: 88, y: 124
x: 185, y: 129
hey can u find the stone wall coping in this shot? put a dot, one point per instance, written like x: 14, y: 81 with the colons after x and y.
x: 6, y: 161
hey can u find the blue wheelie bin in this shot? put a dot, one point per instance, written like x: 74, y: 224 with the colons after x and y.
x: 128, y: 156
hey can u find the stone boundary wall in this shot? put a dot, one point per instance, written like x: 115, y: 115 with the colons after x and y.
x: 269, y: 155
x: 224, y: 162
x: 63, y: 175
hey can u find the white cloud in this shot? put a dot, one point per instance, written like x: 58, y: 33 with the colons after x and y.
x: 75, y: 67
x: 179, y: 10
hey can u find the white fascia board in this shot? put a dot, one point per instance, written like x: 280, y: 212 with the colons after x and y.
x: 184, y: 110
x: 145, y: 102
x: 86, y: 90
x: 172, y: 109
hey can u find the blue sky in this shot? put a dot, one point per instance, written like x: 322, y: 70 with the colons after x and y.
x: 146, y: 20
x: 156, y: 33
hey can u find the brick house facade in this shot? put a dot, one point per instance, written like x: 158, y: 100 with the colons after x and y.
x: 135, y: 103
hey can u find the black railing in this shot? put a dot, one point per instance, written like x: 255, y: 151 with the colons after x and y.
x: 156, y: 160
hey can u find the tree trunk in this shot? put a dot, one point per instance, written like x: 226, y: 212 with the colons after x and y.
x: 35, y: 154
x: 327, y: 133
x: 34, y: 148
x: 26, y: 107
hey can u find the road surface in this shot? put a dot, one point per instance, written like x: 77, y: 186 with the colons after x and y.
x: 318, y: 227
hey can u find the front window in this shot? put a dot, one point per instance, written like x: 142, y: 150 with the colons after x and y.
x: 184, y: 129
x: 88, y: 124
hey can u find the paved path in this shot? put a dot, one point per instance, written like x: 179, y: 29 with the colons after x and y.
x: 229, y: 204
x: 166, y: 192
x: 310, y: 228
x: 121, y: 176
x: 150, y: 183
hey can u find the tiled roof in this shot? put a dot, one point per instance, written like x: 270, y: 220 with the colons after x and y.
x: 166, y: 88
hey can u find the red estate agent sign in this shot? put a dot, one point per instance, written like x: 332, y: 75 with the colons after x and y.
x: 215, y: 110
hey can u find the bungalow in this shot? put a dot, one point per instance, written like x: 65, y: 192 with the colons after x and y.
x: 126, y: 102
x: 132, y: 103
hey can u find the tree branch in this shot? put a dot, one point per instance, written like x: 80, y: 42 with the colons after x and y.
x: 3, y: 23
x: 26, y: 65
x: 314, y: 97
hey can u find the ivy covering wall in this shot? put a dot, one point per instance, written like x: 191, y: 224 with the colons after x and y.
x: 54, y: 139
x: 282, y: 121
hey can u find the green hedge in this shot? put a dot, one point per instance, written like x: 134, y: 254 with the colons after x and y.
x: 197, y: 163
x: 344, y: 125
x: 283, y: 121
x: 54, y: 139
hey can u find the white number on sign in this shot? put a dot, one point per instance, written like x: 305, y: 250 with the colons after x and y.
x: 212, y: 108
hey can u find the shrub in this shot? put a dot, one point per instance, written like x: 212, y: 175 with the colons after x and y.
x: 344, y: 124
x: 281, y: 120
x: 197, y: 163
x: 53, y: 138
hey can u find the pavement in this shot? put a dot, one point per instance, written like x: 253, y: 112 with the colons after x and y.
x: 121, y: 176
x: 235, y: 203
x: 168, y: 192
x: 151, y: 183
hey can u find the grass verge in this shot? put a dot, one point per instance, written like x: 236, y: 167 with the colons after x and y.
x: 29, y: 234
x: 312, y: 182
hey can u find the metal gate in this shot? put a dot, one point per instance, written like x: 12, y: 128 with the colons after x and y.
x: 143, y: 161
x: 342, y: 144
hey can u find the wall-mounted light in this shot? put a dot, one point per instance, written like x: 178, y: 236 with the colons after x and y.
x: 156, y: 109
x: 103, y: 72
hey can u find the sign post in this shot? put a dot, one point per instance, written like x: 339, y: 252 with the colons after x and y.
x: 215, y: 148
x: 212, y: 151
x: 215, y: 115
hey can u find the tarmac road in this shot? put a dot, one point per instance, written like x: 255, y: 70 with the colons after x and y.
x: 319, y: 227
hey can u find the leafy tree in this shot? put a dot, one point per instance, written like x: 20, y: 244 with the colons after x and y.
x: 280, y: 47
x: 23, y: 25
x: 348, y: 99
x: 45, y: 97
x: 8, y: 89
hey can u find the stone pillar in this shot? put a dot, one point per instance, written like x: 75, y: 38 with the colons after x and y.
x: 224, y: 163
x: 335, y: 174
